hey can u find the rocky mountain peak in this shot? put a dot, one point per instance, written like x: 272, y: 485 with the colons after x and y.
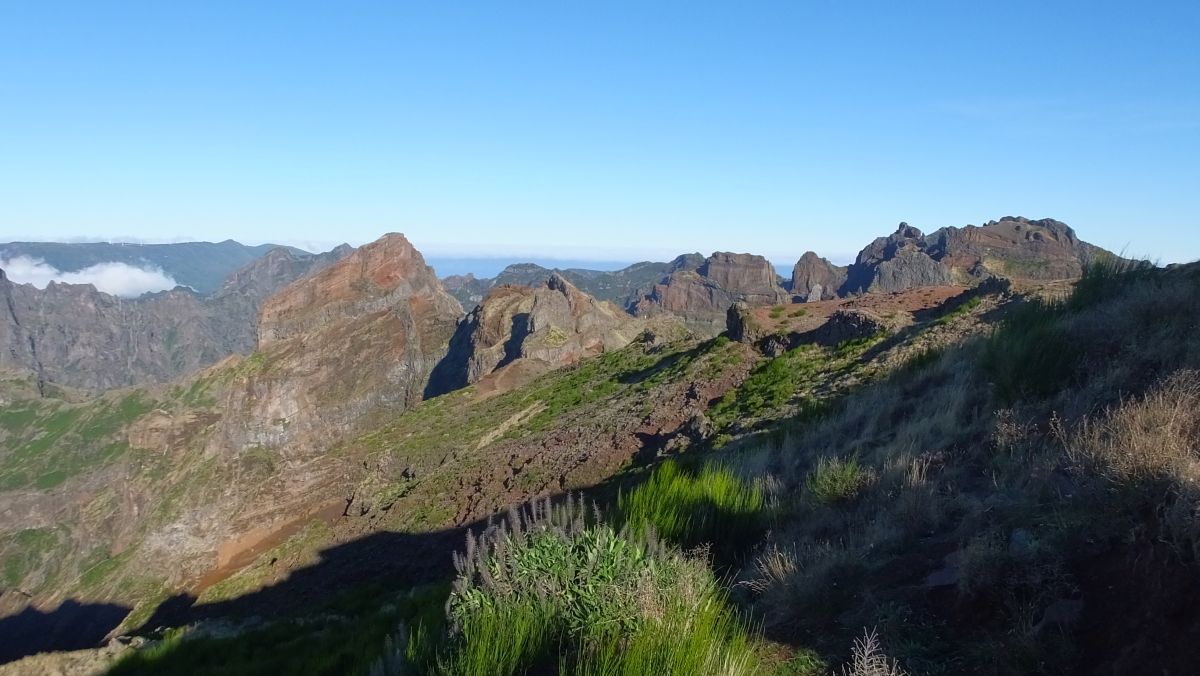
x: 703, y: 296
x: 553, y: 324
x: 74, y: 335
x: 815, y: 278
x: 371, y: 279
x: 905, y: 231
x: 748, y: 273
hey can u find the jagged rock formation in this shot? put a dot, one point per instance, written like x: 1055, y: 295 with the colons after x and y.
x: 377, y: 278
x: 815, y: 278
x: 895, y: 263
x: 15, y: 348
x: 622, y: 287
x: 74, y: 335
x: 358, y: 337
x: 554, y: 323
x: 1013, y: 247
x: 742, y: 326
x: 356, y: 340
x: 703, y: 296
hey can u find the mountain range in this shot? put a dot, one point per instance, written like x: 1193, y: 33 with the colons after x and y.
x: 320, y: 423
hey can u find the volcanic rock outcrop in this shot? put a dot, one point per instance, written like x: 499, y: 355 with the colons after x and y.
x: 344, y: 349
x: 815, y: 278
x: 554, y: 323
x: 703, y: 296
x: 338, y: 348
x: 1013, y: 247
x: 895, y: 263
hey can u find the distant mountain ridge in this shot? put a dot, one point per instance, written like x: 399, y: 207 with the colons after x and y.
x: 200, y: 265
x: 75, y: 336
x: 621, y: 287
x: 1014, y: 247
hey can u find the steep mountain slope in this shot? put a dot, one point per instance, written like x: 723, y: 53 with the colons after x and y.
x: 815, y: 278
x: 144, y: 490
x: 203, y: 266
x: 73, y: 335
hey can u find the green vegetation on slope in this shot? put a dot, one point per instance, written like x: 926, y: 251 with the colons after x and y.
x: 710, y: 507
x: 800, y: 383
x: 47, y: 442
x: 555, y: 590
x: 984, y: 492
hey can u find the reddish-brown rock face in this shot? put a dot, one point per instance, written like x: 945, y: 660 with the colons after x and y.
x: 341, y: 347
x: 377, y: 277
x: 704, y: 296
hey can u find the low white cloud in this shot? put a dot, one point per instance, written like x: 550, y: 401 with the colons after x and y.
x: 118, y: 279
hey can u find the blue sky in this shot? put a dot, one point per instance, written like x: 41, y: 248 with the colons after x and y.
x: 614, y: 131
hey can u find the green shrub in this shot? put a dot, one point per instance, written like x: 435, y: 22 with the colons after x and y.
x: 770, y: 386
x: 712, y: 506
x: 553, y: 589
x: 834, y: 480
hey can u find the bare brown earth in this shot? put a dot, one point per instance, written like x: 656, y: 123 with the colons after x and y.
x: 813, y: 315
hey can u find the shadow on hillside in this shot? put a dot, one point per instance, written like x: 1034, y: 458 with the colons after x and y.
x: 389, y: 559
x: 397, y: 560
x: 394, y: 560
x: 71, y: 626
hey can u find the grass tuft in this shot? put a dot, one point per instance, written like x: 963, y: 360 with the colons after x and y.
x: 834, y: 481
x: 712, y: 506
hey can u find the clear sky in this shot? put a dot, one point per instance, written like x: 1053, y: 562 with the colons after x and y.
x: 602, y: 130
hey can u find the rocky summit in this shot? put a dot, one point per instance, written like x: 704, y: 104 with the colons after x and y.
x: 553, y: 323
x: 815, y: 278
x: 1013, y: 248
x: 702, y: 297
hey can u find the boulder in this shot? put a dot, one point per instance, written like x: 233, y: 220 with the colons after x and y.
x: 741, y: 325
